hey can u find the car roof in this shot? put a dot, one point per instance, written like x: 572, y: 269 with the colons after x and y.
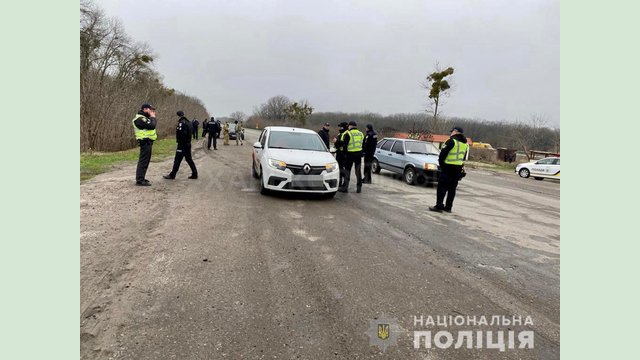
x: 289, y: 129
x: 405, y: 139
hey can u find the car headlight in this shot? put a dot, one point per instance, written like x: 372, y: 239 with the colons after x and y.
x: 430, y: 167
x: 331, y: 167
x: 277, y: 164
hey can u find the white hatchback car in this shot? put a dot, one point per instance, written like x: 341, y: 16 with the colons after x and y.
x: 294, y: 160
x: 540, y: 169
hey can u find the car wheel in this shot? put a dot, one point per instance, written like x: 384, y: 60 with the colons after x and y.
x: 253, y: 170
x: 524, y: 173
x: 263, y: 190
x: 538, y: 178
x: 375, y: 166
x: 410, y: 176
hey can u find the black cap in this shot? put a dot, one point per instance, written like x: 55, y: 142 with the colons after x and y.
x: 147, y: 106
x: 352, y: 123
x: 369, y: 126
x: 180, y: 113
x: 458, y: 129
x: 343, y: 124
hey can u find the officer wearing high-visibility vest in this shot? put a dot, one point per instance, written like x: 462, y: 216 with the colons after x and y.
x: 352, y: 141
x: 341, y: 153
x: 452, y: 157
x: 144, y: 129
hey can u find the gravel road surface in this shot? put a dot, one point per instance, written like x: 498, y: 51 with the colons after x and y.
x: 211, y: 269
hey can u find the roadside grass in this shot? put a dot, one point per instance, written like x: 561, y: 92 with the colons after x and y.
x: 502, y: 166
x: 94, y: 163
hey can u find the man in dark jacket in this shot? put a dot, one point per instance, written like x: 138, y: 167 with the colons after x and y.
x: 204, y: 127
x: 369, y: 148
x: 144, y: 129
x: 183, y: 138
x: 194, y: 124
x: 212, y: 129
x: 324, y: 134
x: 340, y: 151
x: 451, y: 161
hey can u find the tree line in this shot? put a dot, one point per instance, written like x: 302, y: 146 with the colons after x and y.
x: 116, y: 78
x: 533, y: 134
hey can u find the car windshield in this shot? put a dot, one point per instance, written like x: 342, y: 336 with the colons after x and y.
x: 296, y: 140
x: 420, y: 147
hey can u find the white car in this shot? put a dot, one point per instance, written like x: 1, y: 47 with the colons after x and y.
x: 294, y: 160
x: 540, y: 169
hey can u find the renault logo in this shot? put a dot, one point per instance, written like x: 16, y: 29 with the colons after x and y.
x: 306, y: 168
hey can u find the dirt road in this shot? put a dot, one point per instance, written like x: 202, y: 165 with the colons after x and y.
x: 211, y: 269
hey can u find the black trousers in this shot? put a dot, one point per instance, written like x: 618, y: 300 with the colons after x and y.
x: 368, y: 159
x: 447, y: 185
x: 195, y: 132
x: 183, y: 151
x: 143, y: 159
x: 340, y: 158
x: 212, y: 139
x: 353, y: 159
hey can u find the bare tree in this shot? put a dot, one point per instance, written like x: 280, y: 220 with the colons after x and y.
x: 530, y: 134
x: 438, y: 87
x: 238, y: 116
x: 274, y: 108
x: 299, y: 112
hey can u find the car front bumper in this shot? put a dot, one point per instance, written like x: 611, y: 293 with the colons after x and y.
x: 278, y: 180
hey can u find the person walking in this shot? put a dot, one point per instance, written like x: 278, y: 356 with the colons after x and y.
x: 225, y: 130
x: 212, y: 130
x: 451, y: 161
x: 369, y: 148
x: 194, y: 124
x: 144, y: 129
x: 238, y: 133
x: 341, y: 154
x: 352, y: 142
x: 324, y: 134
x: 183, y: 138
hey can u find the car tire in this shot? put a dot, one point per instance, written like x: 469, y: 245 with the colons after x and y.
x: 524, y: 173
x: 409, y: 176
x: 253, y: 170
x: 375, y: 166
x: 263, y: 189
x: 538, y: 178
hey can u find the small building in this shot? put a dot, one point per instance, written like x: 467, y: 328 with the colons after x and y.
x: 435, y: 139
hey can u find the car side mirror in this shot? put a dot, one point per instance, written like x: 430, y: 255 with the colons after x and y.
x: 257, y: 145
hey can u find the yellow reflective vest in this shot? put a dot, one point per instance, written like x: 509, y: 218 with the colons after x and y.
x: 143, y: 133
x: 457, y: 154
x: 356, y: 137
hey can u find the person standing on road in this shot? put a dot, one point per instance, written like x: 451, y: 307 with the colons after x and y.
x: 238, y: 133
x: 226, y: 133
x: 352, y: 142
x: 340, y: 152
x: 195, y: 123
x: 369, y: 148
x: 451, y: 161
x: 144, y: 129
x: 183, y: 138
x: 205, y: 124
x: 212, y: 130
x: 324, y: 134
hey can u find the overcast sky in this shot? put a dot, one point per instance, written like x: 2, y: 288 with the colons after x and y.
x: 356, y: 56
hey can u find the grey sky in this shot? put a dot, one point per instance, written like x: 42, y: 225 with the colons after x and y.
x: 356, y: 56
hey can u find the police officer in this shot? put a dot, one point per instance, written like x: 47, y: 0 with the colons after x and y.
x: 451, y: 160
x: 341, y: 154
x: 352, y: 142
x: 205, y: 123
x: 183, y: 138
x: 369, y: 148
x: 194, y: 124
x: 144, y: 128
x: 324, y: 133
x: 212, y: 129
